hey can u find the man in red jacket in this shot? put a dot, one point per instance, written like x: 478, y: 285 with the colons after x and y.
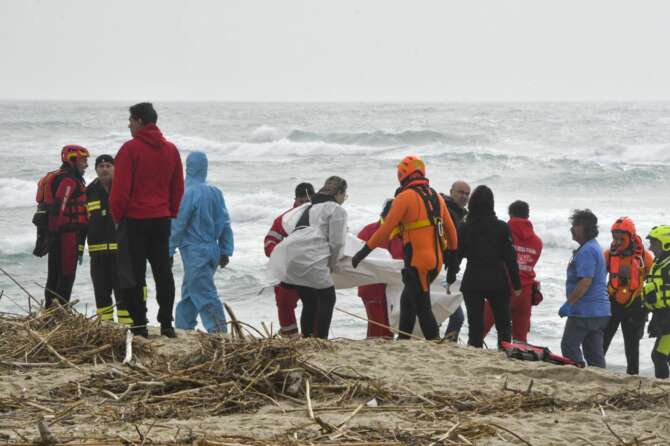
x: 287, y: 298
x: 374, y: 296
x: 148, y: 186
x: 528, y: 248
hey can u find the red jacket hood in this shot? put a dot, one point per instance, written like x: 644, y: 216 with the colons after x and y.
x: 522, y: 228
x: 151, y: 135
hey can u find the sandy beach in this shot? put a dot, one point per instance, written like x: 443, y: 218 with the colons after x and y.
x: 201, y: 389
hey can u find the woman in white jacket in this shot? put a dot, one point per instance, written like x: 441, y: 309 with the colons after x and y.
x: 317, y: 234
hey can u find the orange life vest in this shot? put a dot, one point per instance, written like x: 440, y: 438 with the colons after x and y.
x: 626, y: 272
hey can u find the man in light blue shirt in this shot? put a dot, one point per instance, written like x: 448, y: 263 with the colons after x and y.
x: 203, y: 234
x: 587, y: 304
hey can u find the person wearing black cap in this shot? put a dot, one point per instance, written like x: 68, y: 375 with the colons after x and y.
x: 102, y: 242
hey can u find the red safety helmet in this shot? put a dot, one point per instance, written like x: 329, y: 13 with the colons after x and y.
x: 73, y: 152
x: 624, y: 224
x: 409, y: 165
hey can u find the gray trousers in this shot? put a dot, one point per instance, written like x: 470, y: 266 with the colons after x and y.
x: 585, y: 333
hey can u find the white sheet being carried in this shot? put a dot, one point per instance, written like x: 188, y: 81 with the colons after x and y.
x: 379, y: 267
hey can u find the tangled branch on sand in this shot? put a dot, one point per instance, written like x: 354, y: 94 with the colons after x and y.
x: 226, y: 375
x: 59, y: 336
x: 221, y: 375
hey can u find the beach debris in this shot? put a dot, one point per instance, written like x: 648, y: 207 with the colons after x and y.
x: 135, y: 386
x: 129, y: 347
x: 59, y: 335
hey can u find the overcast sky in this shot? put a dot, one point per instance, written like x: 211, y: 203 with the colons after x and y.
x: 312, y: 50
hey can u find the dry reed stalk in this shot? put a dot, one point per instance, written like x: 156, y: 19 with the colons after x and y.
x: 62, y: 334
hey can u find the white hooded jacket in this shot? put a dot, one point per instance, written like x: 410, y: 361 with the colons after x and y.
x: 309, y: 255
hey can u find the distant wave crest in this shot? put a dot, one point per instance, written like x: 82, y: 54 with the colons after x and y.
x: 17, y: 193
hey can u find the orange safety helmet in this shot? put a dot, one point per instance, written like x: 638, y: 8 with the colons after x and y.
x: 73, y: 151
x: 409, y: 165
x: 624, y: 224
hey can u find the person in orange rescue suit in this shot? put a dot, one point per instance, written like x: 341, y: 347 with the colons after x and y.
x: 429, y: 237
x: 63, y: 195
x: 628, y: 265
x: 374, y: 296
x: 286, y: 298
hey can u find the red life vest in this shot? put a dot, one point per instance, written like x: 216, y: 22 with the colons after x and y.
x: 64, y: 213
x: 626, y: 271
x: 45, y: 189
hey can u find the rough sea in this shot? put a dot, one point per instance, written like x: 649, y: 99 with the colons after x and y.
x: 613, y: 158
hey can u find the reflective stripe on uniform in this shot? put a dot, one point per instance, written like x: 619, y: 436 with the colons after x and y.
x: 93, y: 205
x: 663, y: 346
x: 103, y: 247
x: 276, y: 235
x: 409, y: 227
x: 146, y: 292
x: 124, y: 317
x: 105, y: 313
x: 289, y: 328
x: 81, y: 248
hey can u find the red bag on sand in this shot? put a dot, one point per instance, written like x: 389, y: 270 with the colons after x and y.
x: 528, y: 352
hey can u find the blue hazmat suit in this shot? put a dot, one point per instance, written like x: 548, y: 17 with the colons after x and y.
x: 203, y: 234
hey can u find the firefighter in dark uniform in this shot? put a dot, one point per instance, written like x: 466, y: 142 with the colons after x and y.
x: 102, y: 245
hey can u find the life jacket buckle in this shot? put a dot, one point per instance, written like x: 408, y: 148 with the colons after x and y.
x: 440, y: 226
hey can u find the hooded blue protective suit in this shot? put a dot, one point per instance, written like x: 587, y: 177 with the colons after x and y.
x: 203, y: 234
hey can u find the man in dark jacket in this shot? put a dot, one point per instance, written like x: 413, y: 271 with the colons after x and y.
x: 456, y: 201
x: 102, y: 247
x: 148, y: 186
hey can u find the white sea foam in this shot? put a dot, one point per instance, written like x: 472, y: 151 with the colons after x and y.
x: 17, y: 193
x: 17, y: 244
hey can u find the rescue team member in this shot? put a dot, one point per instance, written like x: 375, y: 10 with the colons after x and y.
x: 286, y: 297
x: 628, y: 264
x: 317, y: 235
x: 102, y: 247
x: 587, y: 305
x: 456, y: 202
x: 204, y: 237
x: 657, y: 299
x: 420, y: 215
x: 374, y: 296
x: 148, y: 186
x: 62, y: 193
x: 487, y: 244
x: 528, y: 248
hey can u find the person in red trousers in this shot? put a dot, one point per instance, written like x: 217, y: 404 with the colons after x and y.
x: 528, y: 248
x: 287, y: 298
x: 374, y: 296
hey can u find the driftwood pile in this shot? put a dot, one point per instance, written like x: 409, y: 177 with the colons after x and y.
x: 226, y: 376
x: 58, y: 337
x: 240, y: 373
